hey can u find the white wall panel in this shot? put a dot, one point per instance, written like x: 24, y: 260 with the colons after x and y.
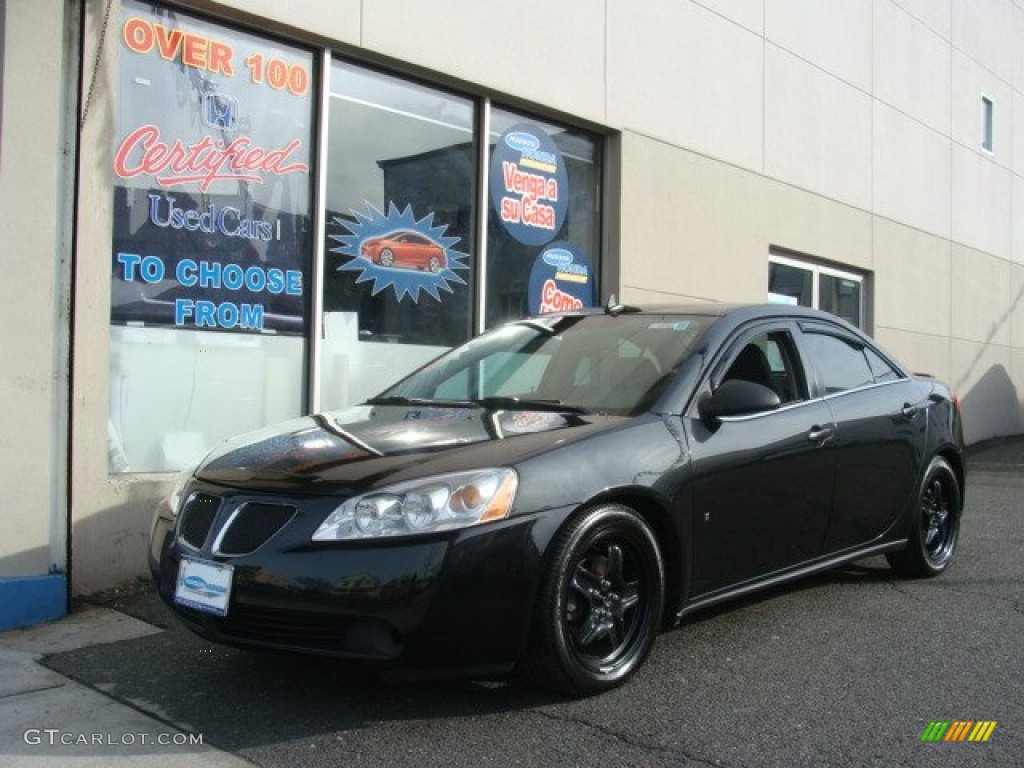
x: 817, y: 130
x: 691, y: 227
x: 935, y: 14
x: 1017, y: 223
x: 746, y: 13
x: 912, y: 279
x: 983, y: 29
x: 1017, y: 133
x: 832, y: 34
x: 337, y: 20
x: 980, y: 290
x: 1018, y: 47
x: 981, y: 203
x: 551, y: 53
x: 912, y: 172
x: 912, y: 66
x: 687, y: 76
x: 980, y: 375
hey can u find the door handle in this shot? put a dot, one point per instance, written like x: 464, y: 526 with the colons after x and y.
x: 909, y: 411
x: 820, y: 434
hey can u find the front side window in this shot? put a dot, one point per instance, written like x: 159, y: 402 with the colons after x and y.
x: 769, y: 360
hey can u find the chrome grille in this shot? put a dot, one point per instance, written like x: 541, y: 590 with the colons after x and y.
x: 250, y: 526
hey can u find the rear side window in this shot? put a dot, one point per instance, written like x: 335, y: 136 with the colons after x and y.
x: 841, y: 364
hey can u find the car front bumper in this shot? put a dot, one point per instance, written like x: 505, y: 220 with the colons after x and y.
x: 460, y: 600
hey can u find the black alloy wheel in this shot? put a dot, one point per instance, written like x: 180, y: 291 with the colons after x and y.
x: 600, y: 603
x: 936, y: 526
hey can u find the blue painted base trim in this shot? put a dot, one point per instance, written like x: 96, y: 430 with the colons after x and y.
x: 28, y: 600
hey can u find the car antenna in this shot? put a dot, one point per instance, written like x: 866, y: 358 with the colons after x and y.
x: 614, y: 308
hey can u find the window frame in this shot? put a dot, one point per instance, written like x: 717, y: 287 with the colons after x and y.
x: 816, y: 270
x: 485, y: 104
x: 988, y: 118
x: 813, y: 369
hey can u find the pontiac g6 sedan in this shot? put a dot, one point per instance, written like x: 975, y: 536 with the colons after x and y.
x: 554, y: 492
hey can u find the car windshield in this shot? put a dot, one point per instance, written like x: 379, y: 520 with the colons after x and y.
x: 615, y: 364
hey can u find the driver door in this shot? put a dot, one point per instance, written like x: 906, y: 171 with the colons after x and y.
x: 763, y: 482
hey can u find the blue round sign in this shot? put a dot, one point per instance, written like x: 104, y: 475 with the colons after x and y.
x: 529, y: 184
x: 561, y: 280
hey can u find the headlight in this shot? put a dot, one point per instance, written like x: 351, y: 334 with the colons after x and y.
x: 432, y: 504
x: 180, y: 483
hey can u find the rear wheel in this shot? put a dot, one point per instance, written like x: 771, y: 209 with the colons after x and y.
x: 936, y: 525
x: 600, y: 603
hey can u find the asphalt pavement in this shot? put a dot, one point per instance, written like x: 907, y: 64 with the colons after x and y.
x: 848, y: 668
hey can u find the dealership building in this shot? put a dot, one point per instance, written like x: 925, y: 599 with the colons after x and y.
x: 220, y: 215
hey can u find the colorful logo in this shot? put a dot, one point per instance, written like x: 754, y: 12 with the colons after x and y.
x: 202, y: 587
x: 529, y: 184
x: 398, y: 251
x: 561, y: 280
x: 958, y: 730
x: 220, y: 111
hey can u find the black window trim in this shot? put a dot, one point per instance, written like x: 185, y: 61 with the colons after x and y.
x: 827, y: 329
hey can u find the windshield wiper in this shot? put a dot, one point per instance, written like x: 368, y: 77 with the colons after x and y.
x: 524, y: 404
x: 402, y: 400
x: 494, y: 402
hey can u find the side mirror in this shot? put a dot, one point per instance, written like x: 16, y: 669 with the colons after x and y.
x: 736, y: 397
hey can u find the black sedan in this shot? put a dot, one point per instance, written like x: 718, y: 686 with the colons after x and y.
x: 554, y: 492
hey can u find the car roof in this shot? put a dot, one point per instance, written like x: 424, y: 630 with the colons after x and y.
x: 736, y: 311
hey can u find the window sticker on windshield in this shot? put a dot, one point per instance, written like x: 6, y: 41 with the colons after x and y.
x: 681, y: 325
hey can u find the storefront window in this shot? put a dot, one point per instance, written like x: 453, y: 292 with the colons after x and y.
x: 213, y: 252
x: 543, y: 234
x: 398, y: 275
x: 212, y: 241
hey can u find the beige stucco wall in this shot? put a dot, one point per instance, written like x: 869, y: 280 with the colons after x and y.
x: 845, y: 131
x: 32, y: 373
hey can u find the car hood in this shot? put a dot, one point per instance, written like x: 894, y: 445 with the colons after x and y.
x: 357, y: 448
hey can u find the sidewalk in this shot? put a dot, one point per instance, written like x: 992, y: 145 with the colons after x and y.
x: 47, y: 719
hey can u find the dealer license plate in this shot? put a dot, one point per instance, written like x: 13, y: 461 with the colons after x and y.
x: 204, y: 586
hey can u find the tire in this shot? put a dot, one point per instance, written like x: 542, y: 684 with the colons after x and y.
x: 434, y: 265
x: 935, y: 526
x: 600, y: 603
x: 387, y: 257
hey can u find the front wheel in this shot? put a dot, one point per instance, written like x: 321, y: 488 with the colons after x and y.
x: 600, y: 603
x: 935, y: 527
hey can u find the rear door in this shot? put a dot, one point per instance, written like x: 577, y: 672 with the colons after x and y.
x: 881, y: 430
x: 762, y: 483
